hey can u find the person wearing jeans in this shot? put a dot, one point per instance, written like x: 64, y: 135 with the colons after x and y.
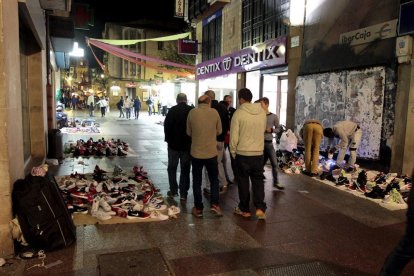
x: 250, y: 166
x: 179, y: 144
x: 246, y: 145
x: 269, y: 152
x: 212, y: 169
x: 222, y: 111
x: 204, y: 125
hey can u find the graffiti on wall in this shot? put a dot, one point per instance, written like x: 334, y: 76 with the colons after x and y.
x: 356, y: 95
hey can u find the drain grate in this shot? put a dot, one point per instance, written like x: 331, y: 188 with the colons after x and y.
x: 139, y: 262
x: 308, y: 269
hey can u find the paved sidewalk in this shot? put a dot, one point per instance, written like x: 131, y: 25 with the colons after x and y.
x: 310, y: 226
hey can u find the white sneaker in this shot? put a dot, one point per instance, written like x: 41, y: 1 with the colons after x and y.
x: 173, y: 211
x: 105, y: 206
x: 157, y: 215
x: 155, y: 207
x: 139, y: 206
x: 95, y: 205
x: 157, y: 200
x: 101, y: 215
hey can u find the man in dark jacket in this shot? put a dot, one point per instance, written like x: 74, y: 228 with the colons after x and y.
x: 179, y: 144
x: 223, y: 113
x: 403, y: 253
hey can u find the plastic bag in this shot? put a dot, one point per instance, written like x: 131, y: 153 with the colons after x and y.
x: 288, y: 141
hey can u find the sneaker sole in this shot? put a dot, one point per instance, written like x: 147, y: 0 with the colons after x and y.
x: 214, y: 212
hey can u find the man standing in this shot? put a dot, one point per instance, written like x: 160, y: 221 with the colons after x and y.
x: 120, y: 106
x: 128, y: 105
x: 350, y: 135
x: 312, y: 134
x: 246, y: 145
x: 222, y: 111
x: 149, y: 104
x: 204, y: 125
x: 269, y: 150
x: 179, y: 143
x: 91, y: 104
x: 137, y: 107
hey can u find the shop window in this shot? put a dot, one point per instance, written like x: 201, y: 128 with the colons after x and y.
x: 131, y: 69
x: 263, y: 20
x: 211, y: 45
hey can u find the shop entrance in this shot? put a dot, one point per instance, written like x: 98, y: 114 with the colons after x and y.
x: 272, y: 85
x: 275, y: 89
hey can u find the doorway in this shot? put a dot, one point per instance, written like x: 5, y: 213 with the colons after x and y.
x: 275, y: 89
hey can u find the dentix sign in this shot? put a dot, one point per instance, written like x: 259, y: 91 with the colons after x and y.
x: 365, y: 35
x: 269, y: 54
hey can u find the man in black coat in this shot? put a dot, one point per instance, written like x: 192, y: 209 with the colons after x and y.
x: 223, y: 113
x: 179, y: 144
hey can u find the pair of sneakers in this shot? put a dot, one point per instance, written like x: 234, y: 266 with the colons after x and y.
x: 260, y: 214
x: 214, y: 209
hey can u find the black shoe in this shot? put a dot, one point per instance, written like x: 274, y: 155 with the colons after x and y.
x: 171, y: 194
x: 183, y: 198
x: 342, y: 181
x: 206, y: 191
x: 376, y: 192
x: 331, y: 178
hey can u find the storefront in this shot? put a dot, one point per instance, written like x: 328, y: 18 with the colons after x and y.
x: 261, y: 68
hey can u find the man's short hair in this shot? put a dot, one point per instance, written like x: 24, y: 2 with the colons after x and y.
x: 265, y: 100
x: 211, y: 94
x: 181, y: 98
x: 328, y: 132
x: 225, y: 97
x: 204, y: 99
x: 245, y: 94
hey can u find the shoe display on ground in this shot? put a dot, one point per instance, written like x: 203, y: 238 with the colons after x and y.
x: 157, y: 215
x: 101, y: 215
x: 216, y: 210
x: 239, y: 212
x: 137, y: 215
x: 260, y: 214
x: 173, y: 211
x: 197, y: 212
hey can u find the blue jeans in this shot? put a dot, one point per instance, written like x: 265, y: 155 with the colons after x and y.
x: 175, y: 156
x: 212, y: 170
x: 250, y: 167
x: 402, y: 254
x: 270, y: 153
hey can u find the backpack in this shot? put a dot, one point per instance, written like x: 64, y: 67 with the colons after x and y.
x: 42, y: 214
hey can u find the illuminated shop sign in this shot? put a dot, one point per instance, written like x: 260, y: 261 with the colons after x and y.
x: 268, y: 54
x: 365, y: 35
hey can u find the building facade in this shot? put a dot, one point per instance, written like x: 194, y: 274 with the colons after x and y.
x: 130, y: 79
x: 326, y: 60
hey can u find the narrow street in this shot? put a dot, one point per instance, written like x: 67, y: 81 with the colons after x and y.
x: 310, y: 227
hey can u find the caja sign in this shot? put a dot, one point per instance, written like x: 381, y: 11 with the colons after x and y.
x: 268, y: 54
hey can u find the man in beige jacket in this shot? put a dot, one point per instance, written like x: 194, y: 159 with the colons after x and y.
x: 203, y: 126
x: 247, y: 130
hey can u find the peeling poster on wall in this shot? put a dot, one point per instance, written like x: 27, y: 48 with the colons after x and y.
x: 356, y: 95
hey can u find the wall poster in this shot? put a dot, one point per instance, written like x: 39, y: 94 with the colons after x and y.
x: 356, y: 95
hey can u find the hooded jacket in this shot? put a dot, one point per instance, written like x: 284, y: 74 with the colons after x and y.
x: 247, y: 129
